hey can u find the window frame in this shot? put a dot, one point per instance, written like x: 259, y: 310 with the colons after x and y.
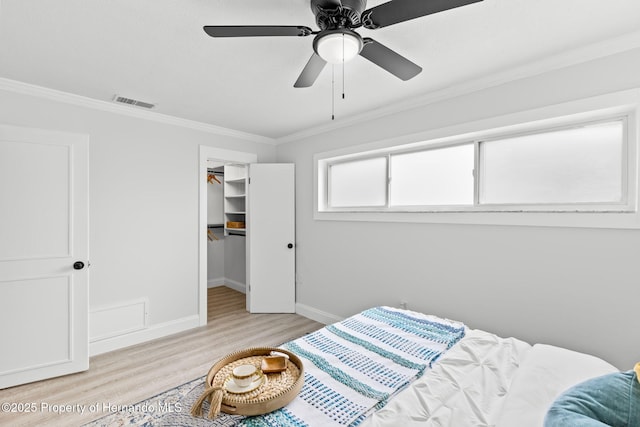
x: 622, y: 206
x: 618, y: 106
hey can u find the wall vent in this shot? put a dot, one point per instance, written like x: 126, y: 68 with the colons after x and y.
x: 124, y: 100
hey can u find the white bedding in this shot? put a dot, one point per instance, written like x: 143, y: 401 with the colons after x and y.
x: 486, y: 380
x: 546, y: 372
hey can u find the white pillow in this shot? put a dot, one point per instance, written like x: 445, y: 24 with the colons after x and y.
x: 546, y: 372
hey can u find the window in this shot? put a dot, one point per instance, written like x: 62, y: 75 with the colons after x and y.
x: 581, y: 165
x: 358, y: 183
x: 577, y: 167
x: 437, y: 177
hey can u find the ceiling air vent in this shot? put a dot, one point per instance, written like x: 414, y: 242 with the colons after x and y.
x: 123, y: 100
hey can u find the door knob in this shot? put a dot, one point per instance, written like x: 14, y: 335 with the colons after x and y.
x: 290, y: 245
x: 78, y: 265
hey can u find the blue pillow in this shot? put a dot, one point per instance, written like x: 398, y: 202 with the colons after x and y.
x: 610, y: 400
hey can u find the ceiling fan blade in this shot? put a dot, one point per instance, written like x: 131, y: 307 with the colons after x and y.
x: 311, y: 71
x: 396, y: 11
x: 256, y: 30
x: 391, y: 61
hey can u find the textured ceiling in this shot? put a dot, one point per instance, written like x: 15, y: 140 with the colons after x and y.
x: 156, y: 51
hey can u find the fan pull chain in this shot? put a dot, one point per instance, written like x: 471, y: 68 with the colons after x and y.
x: 333, y: 85
x: 343, y: 80
x: 343, y: 66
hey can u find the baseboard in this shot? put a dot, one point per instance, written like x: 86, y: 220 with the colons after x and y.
x: 317, y: 315
x: 223, y: 281
x: 138, y: 337
x: 240, y: 287
x: 214, y: 283
x: 179, y: 325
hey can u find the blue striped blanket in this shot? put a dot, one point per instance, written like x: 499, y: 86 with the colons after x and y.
x: 354, y: 367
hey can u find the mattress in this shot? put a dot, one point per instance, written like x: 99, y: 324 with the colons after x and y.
x: 486, y: 380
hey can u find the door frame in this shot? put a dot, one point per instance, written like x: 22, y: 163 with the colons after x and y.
x: 218, y: 155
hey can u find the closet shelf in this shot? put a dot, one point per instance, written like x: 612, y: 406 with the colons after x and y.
x: 235, y: 199
x: 242, y: 180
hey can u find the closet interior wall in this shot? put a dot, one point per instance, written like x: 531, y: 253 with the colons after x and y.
x: 215, y: 225
x: 226, y: 252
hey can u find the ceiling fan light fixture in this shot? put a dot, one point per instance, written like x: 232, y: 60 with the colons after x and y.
x: 338, y: 46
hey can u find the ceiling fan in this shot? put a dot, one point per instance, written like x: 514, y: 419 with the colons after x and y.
x: 337, y: 42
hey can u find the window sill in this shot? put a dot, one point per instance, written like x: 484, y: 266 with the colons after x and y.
x: 615, y: 220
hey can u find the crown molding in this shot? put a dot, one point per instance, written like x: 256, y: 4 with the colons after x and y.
x: 566, y: 59
x: 83, y: 101
x: 576, y: 56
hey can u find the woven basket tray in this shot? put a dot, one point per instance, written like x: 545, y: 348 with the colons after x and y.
x: 277, y: 390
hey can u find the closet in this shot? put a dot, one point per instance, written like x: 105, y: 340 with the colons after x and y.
x: 226, y: 225
x: 250, y: 245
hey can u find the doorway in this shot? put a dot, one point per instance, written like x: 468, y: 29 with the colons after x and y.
x: 259, y: 213
x: 216, y: 159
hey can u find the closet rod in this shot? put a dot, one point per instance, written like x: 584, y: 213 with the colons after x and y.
x: 215, y: 172
x: 215, y: 226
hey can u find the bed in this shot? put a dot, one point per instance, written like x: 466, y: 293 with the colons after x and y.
x: 392, y: 367
x: 490, y: 381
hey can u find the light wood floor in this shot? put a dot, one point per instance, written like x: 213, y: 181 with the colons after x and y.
x: 127, y: 376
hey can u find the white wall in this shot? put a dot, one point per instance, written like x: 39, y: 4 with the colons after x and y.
x: 215, y: 259
x: 215, y: 202
x: 215, y: 248
x: 143, y: 203
x: 235, y: 262
x: 565, y: 286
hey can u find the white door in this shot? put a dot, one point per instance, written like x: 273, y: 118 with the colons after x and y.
x: 43, y: 232
x: 271, y: 238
